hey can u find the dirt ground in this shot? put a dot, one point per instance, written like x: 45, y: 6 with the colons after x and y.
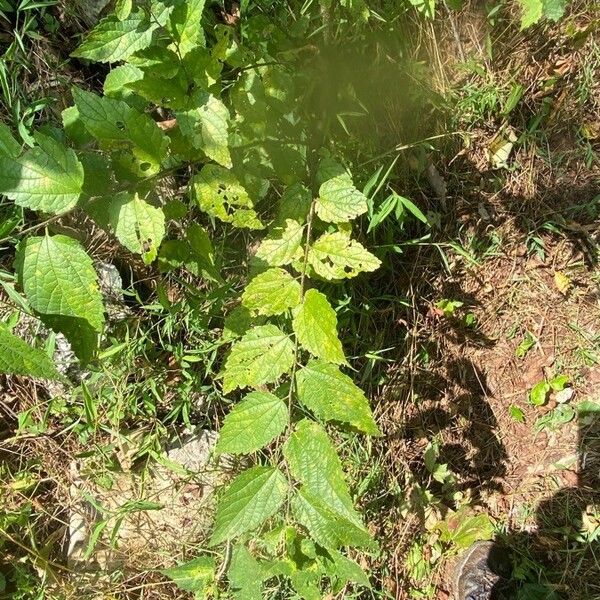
x: 466, y: 380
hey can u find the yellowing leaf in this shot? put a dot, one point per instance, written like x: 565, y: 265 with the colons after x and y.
x: 315, y: 324
x: 282, y: 245
x: 336, y: 256
x: 272, y: 292
x: 48, y: 177
x: 263, y: 355
x: 207, y: 128
x: 562, y: 282
x: 138, y: 225
x: 339, y: 201
x: 219, y: 193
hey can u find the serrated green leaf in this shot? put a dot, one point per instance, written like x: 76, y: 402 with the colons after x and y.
x: 272, y: 292
x: 314, y: 463
x: 336, y: 256
x: 333, y: 396
x: 346, y: 571
x: 115, y: 124
x: 61, y: 285
x: 17, y: 357
x: 168, y: 93
x: 554, y: 9
x: 219, y: 193
x: 186, y: 27
x: 196, y: 575
x: 339, y: 201
x: 207, y: 127
x: 116, y: 84
x: 532, y: 11
x: 263, y: 355
x: 325, y: 526
x: 315, y: 324
x: 251, y: 498
x: 252, y: 424
x: 138, y: 225
x: 113, y: 40
x: 9, y: 147
x: 48, y: 177
x: 281, y: 246
x: 245, y: 575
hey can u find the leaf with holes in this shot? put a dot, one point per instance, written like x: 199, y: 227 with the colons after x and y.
x: 207, y: 127
x: 282, y: 245
x: 263, y: 355
x: 113, y: 40
x: 336, y: 256
x: 219, y: 193
x: 333, y: 396
x: 339, y: 201
x: 251, y: 498
x: 272, y: 292
x: 315, y: 324
x: 17, y: 357
x: 138, y: 225
x: 253, y: 423
x: 47, y: 178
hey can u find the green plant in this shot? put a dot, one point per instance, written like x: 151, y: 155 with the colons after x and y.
x: 224, y: 116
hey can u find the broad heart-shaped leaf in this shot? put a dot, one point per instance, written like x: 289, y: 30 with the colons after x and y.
x: 138, y: 225
x: 263, y: 355
x: 314, y: 463
x: 315, y: 324
x: 185, y: 25
x: 257, y: 420
x: 336, y: 256
x: 325, y: 526
x: 251, y: 498
x: 281, y: 246
x: 113, y: 40
x: 333, y: 396
x: 61, y: 285
x: 272, y: 292
x: 207, y: 127
x: 48, y: 177
x: 19, y: 358
x: 114, y: 124
x: 196, y: 575
x: 339, y: 201
x: 219, y: 193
